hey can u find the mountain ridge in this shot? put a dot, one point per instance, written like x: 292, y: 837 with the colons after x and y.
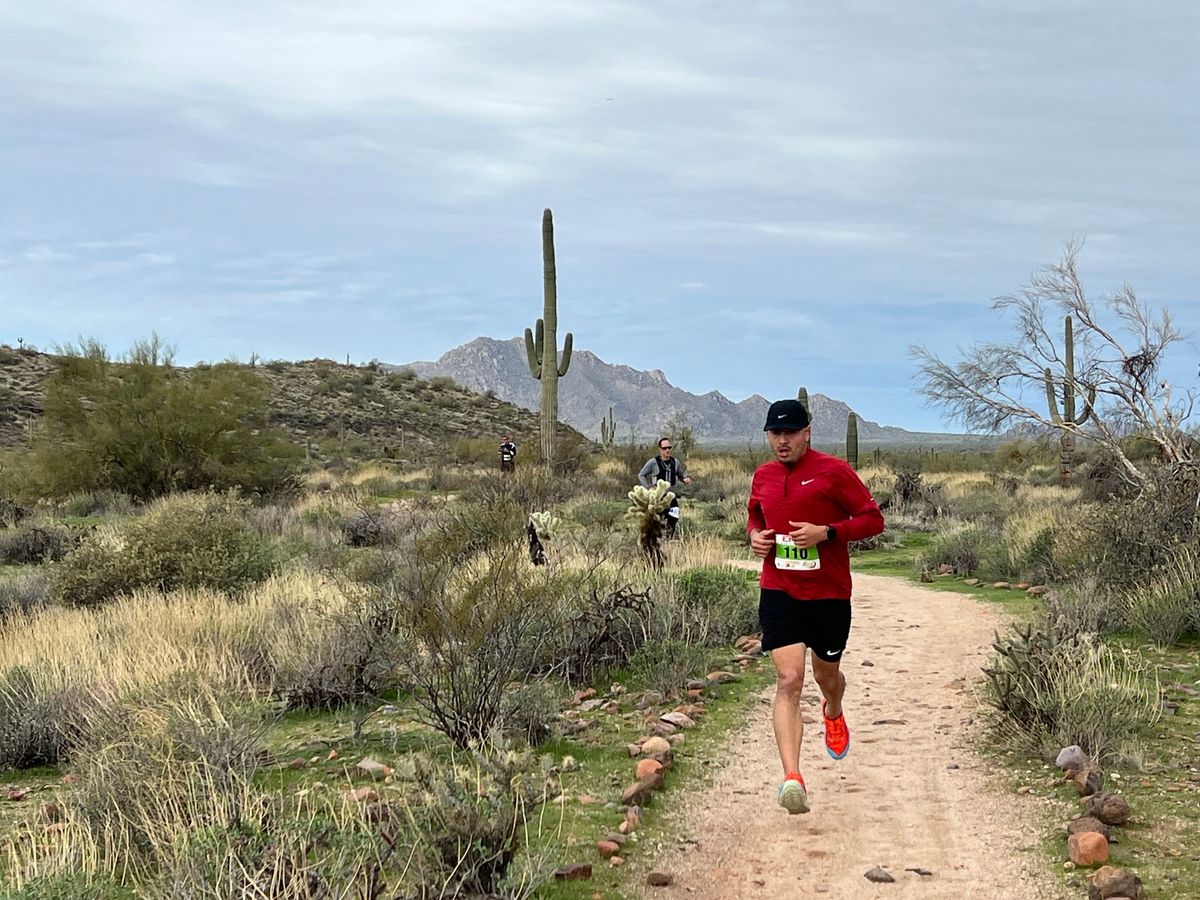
x: 644, y: 402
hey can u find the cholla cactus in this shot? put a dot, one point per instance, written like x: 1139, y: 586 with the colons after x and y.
x: 546, y: 524
x: 646, y: 506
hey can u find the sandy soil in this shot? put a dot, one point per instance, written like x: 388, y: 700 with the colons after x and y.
x: 909, y: 795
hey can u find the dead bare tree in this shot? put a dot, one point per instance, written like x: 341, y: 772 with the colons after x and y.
x: 1108, y: 361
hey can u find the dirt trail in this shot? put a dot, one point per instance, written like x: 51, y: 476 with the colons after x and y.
x: 908, y: 795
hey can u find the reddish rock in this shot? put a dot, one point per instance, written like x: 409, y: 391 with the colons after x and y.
x: 607, y: 849
x: 573, y: 872
x: 298, y: 763
x: 364, y: 795
x: 1087, y: 823
x: 695, y: 693
x: 1087, y: 848
x: 52, y: 812
x: 580, y: 696
x: 647, y: 767
x: 17, y: 794
x: 633, y: 819
x: 721, y: 677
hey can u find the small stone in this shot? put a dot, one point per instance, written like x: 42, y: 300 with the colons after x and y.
x: 1087, y: 848
x: 298, y: 763
x: 660, y: 879
x: 616, y: 861
x: 1038, y: 590
x: 607, y: 848
x: 1071, y: 757
x: 678, y: 719
x: 580, y: 696
x: 1002, y: 585
x: 924, y: 873
x: 637, y: 794
x: 721, y: 677
x: 1110, y: 882
x: 656, y: 745
x: 52, y: 812
x: 332, y: 755
x: 616, y: 837
x: 868, y: 663
x: 1111, y: 809
x: 879, y: 875
x: 633, y: 819
x: 364, y: 795
x: 973, y: 582
x: 569, y: 764
x: 573, y: 872
x: 18, y: 794
x: 634, y: 749
x: 373, y: 768
x: 1088, y: 781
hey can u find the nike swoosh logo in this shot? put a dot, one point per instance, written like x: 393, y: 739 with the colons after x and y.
x: 832, y: 653
x: 810, y: 481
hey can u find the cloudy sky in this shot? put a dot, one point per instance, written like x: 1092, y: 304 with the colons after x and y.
x: 749, y: 196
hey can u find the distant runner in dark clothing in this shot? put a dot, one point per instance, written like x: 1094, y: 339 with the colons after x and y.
x: 508, y: 454
x: 666, y: 468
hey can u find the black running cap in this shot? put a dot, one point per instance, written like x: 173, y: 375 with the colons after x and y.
x: 786, y: 415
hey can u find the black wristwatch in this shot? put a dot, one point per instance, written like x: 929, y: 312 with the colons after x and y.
x: 830, y: 533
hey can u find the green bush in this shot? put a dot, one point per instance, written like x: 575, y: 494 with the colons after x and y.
x: 23, y: 592
x: 667, y: 666
x: 37, y: 726
x: 145, y: 428
x: 184, y: 541
x: 1167, y: 606
x: 530, y: 713
x: 962, y: 546
x: 721, y: 601
x: 106, y: 503
x: 30, y: 544
x: 1052, y: 691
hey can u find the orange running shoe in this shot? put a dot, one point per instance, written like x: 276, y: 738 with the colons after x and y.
x: 837, y: 734
x: 793, y: 795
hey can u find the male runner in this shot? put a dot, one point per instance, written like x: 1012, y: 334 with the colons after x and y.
x: 805, y: 507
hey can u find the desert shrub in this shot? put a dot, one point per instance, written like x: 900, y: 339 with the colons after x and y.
x: 667, y: 666
x: 1166, y: 606
x: 469, y: 834
x: 352, y: 660
x: 23, y: 592
x: 145, y: 428
x: 83, y: 504
x: 1129, y: 541
x: 192, y: 540
x: 983, y: 505
x: 440, y: 383
x: 37, y: 722
x: 1054, y: 691
x: 32, y: 544
x: 11, y: 513
x: 721, y: 601
x: 368, y: 528
x: 603, y: 633
x: 597, y: 513
x: 962, y: 546
x: 475, y: 615
x: 530, y: 713
x: 1084, y: 606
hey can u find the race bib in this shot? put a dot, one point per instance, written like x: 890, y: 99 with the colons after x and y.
x: 673, y: 512
x: 789, y: 556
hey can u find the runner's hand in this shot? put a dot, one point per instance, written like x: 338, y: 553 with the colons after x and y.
x: 806, y: 534
x: 762, y: 542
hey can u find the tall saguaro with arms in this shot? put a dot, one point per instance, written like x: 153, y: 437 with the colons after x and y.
x: 542, y: 347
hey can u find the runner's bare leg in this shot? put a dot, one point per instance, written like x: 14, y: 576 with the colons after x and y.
x: 785, y: 714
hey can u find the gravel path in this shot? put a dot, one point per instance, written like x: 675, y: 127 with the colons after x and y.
x: 911, y: 793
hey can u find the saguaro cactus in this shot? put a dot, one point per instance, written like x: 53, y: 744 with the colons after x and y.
x: 542, y: 347
x: 1067, y: 421
x: 852, y: 440
x: 608, y: 430
x: 802, y: 396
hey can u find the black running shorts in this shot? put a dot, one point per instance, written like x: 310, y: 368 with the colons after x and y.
x: 822, y: 625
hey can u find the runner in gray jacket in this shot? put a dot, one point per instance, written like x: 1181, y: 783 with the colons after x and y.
x: 666, y: 468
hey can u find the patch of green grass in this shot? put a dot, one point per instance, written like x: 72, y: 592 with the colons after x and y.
x: 900, y: 562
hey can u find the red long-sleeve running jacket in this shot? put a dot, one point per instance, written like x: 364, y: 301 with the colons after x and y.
x: 822, y: 490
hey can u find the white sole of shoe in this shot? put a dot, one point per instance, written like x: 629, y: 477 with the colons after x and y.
x: 793, y: 798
